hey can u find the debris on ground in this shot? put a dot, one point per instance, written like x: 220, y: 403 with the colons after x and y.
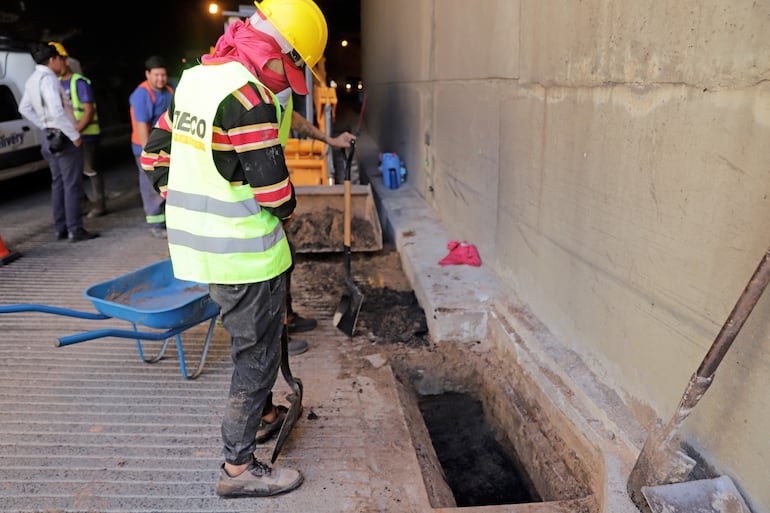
x: 390, y: 313
x: 393, y: 316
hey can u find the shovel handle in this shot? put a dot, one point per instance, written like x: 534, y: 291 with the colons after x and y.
x: 285, y: 369
x: 347, y: 219
x: 732, y: 326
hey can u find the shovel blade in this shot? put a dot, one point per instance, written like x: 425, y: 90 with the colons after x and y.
x: 295, y: 399
x: 295, y: 410
x: 346, y: 315
x: 706, y: 496
x: 342, y: 307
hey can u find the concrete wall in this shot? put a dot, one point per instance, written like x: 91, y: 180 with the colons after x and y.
x: 610, y: 160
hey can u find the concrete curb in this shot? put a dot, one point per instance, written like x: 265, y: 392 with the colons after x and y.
x: 456, y: 299
x: 466, y: 304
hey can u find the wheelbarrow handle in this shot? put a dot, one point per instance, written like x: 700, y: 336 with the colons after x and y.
x: 93, y: 335
x: 118, y: 333
x: 30, y: 307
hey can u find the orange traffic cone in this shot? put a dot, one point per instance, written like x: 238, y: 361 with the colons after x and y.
x: 7, y: 256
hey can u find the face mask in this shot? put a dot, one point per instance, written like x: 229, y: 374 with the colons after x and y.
x: 283, y: 97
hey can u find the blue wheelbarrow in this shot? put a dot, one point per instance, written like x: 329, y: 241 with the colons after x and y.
x: 151, y: 297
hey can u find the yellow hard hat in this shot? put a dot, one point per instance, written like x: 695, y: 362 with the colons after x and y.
x: 59, y: 48
x: 301, y: 23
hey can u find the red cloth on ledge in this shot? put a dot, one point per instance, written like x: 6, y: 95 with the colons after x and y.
x: 461, y: 253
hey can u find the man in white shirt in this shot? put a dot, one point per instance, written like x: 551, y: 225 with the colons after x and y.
x: 44, y: 105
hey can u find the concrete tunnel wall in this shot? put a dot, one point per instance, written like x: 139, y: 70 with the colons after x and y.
x: 610, y: 160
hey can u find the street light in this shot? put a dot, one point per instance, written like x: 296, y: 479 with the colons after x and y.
x: 213, y: 8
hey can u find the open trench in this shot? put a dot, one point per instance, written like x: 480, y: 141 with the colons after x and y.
x: 483, y: 431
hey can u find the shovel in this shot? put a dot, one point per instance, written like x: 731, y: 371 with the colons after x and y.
x: 662, y: 461
x: 346, y: 315
x: 295, y: 398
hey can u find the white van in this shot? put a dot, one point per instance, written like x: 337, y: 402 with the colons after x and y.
x: 19, y: 138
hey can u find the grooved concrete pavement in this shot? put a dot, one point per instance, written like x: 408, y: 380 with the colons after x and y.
x: 92, y: 428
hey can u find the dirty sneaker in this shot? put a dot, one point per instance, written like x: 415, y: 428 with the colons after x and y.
x: 258, y: 480
x: 267, y: 430
x: 298, y: 324
x: 296, y: 346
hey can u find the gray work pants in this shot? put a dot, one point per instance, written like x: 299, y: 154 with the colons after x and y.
x: 66, y: 185
x: 253, y: 315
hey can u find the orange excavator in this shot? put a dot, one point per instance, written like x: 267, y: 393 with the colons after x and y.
x: 309, y: 161
x: 318, y: 221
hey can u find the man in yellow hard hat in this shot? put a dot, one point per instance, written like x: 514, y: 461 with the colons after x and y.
x: 73, y: 63
x: 45, y: 106
x: 78, y: 89
x: 217, y: 158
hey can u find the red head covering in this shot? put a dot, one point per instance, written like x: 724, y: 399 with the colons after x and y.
x: 243, y: 43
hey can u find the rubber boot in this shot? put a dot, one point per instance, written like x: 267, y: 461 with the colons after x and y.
x: 95, y: 193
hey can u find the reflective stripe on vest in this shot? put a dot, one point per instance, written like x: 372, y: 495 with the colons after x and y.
x: 77, y: 107
x: 217, y: 232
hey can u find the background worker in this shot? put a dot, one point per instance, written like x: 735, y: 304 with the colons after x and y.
x: 72, y: 62
x: 78, y: 89
x: 148, y: 102
x: 228, y: 195
x: 44, y: 104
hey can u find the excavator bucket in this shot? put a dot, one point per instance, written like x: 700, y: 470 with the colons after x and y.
x: 318, y: 223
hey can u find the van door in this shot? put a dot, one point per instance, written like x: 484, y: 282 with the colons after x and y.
x: 19, y: 138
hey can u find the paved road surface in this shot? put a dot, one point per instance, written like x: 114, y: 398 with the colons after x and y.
x: 90, y: 427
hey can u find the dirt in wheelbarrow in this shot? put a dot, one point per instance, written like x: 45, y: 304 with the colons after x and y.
x: 390, y: 313
x: 322, y: 231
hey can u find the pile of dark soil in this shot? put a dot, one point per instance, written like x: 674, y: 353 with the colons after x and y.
x: 390, y: 313
x: 393, y: 316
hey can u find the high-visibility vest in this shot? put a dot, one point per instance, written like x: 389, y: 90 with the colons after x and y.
x: 146, y: 86
x: 92, y: 128
x: 217, y: 232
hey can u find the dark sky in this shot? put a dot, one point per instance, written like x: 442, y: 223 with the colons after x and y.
x: 113, y: 49
x: 129, y: 32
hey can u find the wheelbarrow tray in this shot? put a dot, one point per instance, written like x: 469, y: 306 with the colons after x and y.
x: 151, y: 296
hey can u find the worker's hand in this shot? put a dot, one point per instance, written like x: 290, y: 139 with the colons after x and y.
x: 342, y: 140
x: 288, y: 220
x: 78, y: 141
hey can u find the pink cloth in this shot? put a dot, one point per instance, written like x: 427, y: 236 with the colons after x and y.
x: 243, y: 43
x: 461, y: 253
